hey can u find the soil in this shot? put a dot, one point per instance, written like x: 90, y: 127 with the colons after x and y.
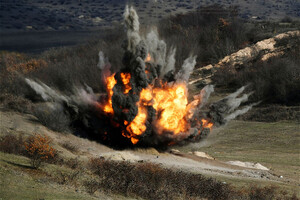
x: 14, y: 123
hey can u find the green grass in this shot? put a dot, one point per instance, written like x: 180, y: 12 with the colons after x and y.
x: 19, y: 181
x: 274, y: 145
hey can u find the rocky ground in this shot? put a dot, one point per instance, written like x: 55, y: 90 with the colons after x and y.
x: 262, y: 50
x: 16, y: 15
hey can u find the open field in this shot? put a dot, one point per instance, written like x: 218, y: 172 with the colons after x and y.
x: 19, y: 181
x: 274, y: 145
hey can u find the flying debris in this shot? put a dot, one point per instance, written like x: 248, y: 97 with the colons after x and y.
x: 146, y: 102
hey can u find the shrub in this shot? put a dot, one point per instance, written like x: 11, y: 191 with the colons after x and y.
x: 150, y: 181
x: 64, y: 177
x: 209, y: 35
x: 52, y: 117
x: 73, y: 163
x: 71, y: 147
x: 27, y: 66
x: 274, y: 81
x: 12, y: 144
x: 91, y: 186
x: 266, y: 193
x: 39, y: 150
x: 16, y: 103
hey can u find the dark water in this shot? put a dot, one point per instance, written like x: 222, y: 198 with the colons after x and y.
x: 36, y: 42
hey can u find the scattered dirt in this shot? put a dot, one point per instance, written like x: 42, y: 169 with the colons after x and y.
x: 195, y: 162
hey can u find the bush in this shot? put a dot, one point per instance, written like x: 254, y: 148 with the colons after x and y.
x: 16, y: 103
x: 265, y: 193
x: 91, y: 186
x: 209, y: 35
x: 150, y: 181
x: 69, y: 146
x: 52, y: 117
x: 39, y: 150
x: 73, y: 163
x: 272, y: 113
x: 275, y: 81
x: 64, y: 177
x: 12, y: 144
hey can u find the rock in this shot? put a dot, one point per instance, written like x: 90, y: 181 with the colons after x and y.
x: 121, y: 156
x: 202, y: 155
x: 262, y: 50
x: 248, y: 165
x: 174, y: 151
x: 97, y: 19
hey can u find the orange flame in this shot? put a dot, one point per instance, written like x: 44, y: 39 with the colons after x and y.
x: 148, y: 58
x: 206, y: 124
x: 137, y: 126
x: 169, y: 101
x: 126, y: 81
x: 110, y: 83
x: 146, y: 96
x: 172, y: 103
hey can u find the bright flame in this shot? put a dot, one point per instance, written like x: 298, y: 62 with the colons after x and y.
x: 148, y: 58
x: 137, y: 126
x: 171, y: 102
x: 146, y: 96
x: 206, y: 124
x: 126, y: 81
x: 110, y: 83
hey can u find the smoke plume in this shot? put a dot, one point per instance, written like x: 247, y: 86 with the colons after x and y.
x: 146, y: 102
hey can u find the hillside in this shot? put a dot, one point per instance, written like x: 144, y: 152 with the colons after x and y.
x: 89, y: 14
x: 205, y: 106
x: 231, y: 143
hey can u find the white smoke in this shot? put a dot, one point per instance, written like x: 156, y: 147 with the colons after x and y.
x: 205, y: 94
x: 156, y: 47
x: 236, y: 102
x: 38, y: 89
x: 239, y: 112
x: 133, y: 26
x: 47, y: 93
x: 170, y: 63
x: 186, y: 69
x: 81, y: 96
x: 233, y: 101
x: 199, y: 101
x: 103, y: 61
x: 79, y: 104
x: 237, y: 93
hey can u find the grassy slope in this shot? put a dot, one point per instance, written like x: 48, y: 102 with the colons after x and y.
x: 19, y: 181
x: 274, y: 145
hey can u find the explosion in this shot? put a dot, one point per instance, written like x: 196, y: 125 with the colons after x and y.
x: 146, y: 102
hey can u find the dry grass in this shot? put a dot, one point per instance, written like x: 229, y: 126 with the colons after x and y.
x: 275, y: 145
